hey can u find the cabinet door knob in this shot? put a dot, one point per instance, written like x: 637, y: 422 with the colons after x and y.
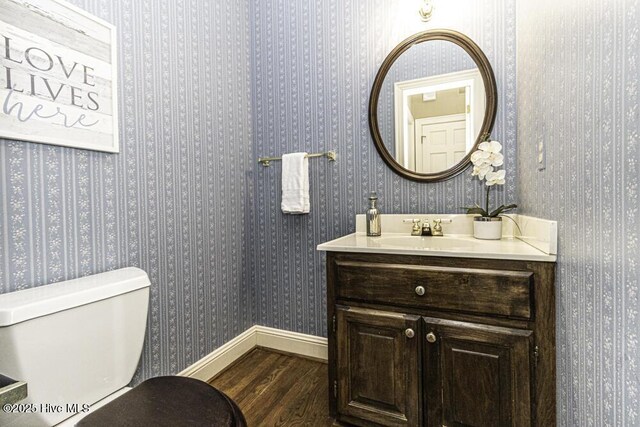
x: 420, y: 290
x: 409, y: 333
x: 431, y: 337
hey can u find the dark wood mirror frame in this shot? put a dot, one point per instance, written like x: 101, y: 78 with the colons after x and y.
x: 488, y: 79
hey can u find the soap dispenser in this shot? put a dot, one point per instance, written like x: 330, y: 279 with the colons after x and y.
x: 373, y: 216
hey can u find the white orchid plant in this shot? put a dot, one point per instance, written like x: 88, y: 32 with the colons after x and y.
x: 485, y: 159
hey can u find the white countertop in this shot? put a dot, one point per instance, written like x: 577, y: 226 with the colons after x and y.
x: 459, y: 246
x: 538, y: 244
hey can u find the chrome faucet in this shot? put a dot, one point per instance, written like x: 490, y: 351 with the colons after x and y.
x: 416, y: 230
x: 437, y: 226
x: 426, y: 229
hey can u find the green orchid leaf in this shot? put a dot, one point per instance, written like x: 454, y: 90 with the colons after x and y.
x: 476, y: 210
x: 496, y: 212
x: 502, y: 209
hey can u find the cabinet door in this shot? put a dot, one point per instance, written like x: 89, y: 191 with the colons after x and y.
x: 476, y: 375
x: 378, y: 366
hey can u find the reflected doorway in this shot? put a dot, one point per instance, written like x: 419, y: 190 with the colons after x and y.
x: 438, y: 119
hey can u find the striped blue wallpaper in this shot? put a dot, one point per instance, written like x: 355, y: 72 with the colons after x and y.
x: 208, y: 86
x: 578, y: 92
x: 173, y: 202
x: 313, y: 67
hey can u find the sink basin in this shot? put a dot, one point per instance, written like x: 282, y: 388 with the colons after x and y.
x: 426, y: 242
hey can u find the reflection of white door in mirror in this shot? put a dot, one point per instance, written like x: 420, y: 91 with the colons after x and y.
x: 433, y: 101
x: 439, y: 141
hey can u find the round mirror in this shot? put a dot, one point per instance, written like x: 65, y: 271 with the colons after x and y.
x: 432, y: 102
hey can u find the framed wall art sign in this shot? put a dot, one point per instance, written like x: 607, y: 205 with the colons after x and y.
x: 58, y: 75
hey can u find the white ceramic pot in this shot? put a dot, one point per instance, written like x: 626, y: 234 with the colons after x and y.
x: 487, y: 228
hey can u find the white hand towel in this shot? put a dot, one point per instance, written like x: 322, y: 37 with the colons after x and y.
x: 295, y: 183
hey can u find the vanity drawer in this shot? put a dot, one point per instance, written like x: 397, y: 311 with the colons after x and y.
x: 472, y: 290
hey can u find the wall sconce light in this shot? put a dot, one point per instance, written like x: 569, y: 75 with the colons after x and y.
x: 426, y: 10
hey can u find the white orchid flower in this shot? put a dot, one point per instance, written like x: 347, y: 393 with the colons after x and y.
x: 481, y: 171
x: 490, y: 146
x: 482, y: 164
x: 479, y: 157
x: 496, y: 177
x: 496, y: 159
x: 485, y: 159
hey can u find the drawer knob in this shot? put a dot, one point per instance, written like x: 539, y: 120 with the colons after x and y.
x: 420, y: 290
x: 431, y: 337
x: 409, y: 333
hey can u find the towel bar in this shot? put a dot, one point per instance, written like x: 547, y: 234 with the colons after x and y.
x: 266, y: 161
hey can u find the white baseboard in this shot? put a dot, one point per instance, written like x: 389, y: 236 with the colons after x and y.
x: 210, y: 365
x: 256, y: 336
x: 292, y: 342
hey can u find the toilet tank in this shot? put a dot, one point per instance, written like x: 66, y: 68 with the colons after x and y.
x: 73, y: 342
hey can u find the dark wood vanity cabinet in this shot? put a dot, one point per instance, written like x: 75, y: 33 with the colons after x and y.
x: 431, y: 341
x: 476, y: 375
x: 378, y: 356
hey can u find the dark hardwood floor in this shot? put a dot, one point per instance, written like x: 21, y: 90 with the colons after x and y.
x: 275, y: 389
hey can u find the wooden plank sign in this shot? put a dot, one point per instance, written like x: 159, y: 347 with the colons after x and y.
x: 58, y: 74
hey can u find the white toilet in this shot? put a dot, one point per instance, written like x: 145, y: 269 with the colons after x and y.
x: 75, y: 343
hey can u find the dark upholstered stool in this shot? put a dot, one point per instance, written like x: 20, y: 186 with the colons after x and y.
x: 169, y: 401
